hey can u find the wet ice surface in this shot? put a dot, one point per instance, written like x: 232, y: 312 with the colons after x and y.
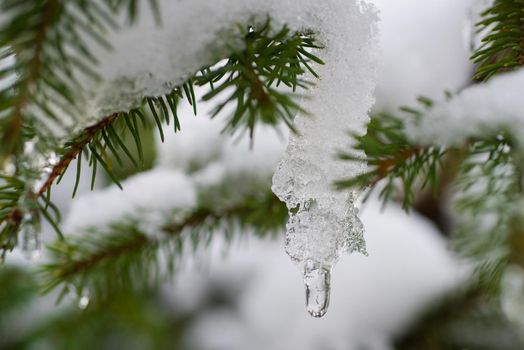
x: 323, y: 222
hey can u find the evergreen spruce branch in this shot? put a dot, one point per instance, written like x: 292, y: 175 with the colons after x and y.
x: 33, y: 21
x: 129, y: 258
x: 47, y: 39
x: 252, y: 77
x: 10, y: 218
x: 502, y: 47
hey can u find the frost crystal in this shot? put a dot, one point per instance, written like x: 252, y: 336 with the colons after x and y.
x: 323, y: 222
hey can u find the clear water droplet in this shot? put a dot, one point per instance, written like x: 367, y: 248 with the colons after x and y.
x: 83, y: 301
x: 317, y: 279
x: 31, y: 240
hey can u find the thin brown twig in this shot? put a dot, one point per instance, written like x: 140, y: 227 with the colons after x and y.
x: 74, y: 151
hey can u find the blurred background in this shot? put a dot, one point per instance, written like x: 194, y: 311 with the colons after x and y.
x: 243, y: 292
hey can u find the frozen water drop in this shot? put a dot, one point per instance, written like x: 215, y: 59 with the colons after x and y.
x: 83, y: 301
x: 317, y: 279
x: 31, y: 240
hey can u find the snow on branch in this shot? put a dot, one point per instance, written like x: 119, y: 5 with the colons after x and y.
x: 251, y: 74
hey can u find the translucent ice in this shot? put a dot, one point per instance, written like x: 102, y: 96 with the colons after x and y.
x: 317, y: 280
x: 31, y: 237
x: 323, y: 222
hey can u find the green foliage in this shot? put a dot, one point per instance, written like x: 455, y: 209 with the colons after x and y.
x: 18, y: 288
x: 502, y: 46
x: 253, y: 75
x: 10, y: 191
x: 36, y: 34
x: 48, y: 43
x: 132, y: 321
x: 488, y: 198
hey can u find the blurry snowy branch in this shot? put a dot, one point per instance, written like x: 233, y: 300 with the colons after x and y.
x: 132, y: 257
x: 478, y: 168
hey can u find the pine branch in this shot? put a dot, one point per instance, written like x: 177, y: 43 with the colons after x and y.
x: 36, y: 35
x: 10, y: 217
x: 128, y: 258
x: 392, y: 157
x: 45, y: 17
x: 255, y: 73
x: 502, y: 47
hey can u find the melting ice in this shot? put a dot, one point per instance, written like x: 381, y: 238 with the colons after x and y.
x: 323, y: 222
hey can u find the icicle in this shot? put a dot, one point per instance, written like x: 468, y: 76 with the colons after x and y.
x: 317, y: 279
x: 31, y: 240
x: 323, y: 222
x: 318, y: 232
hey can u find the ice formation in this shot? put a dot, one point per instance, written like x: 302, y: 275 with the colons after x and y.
x: 323, y: 222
